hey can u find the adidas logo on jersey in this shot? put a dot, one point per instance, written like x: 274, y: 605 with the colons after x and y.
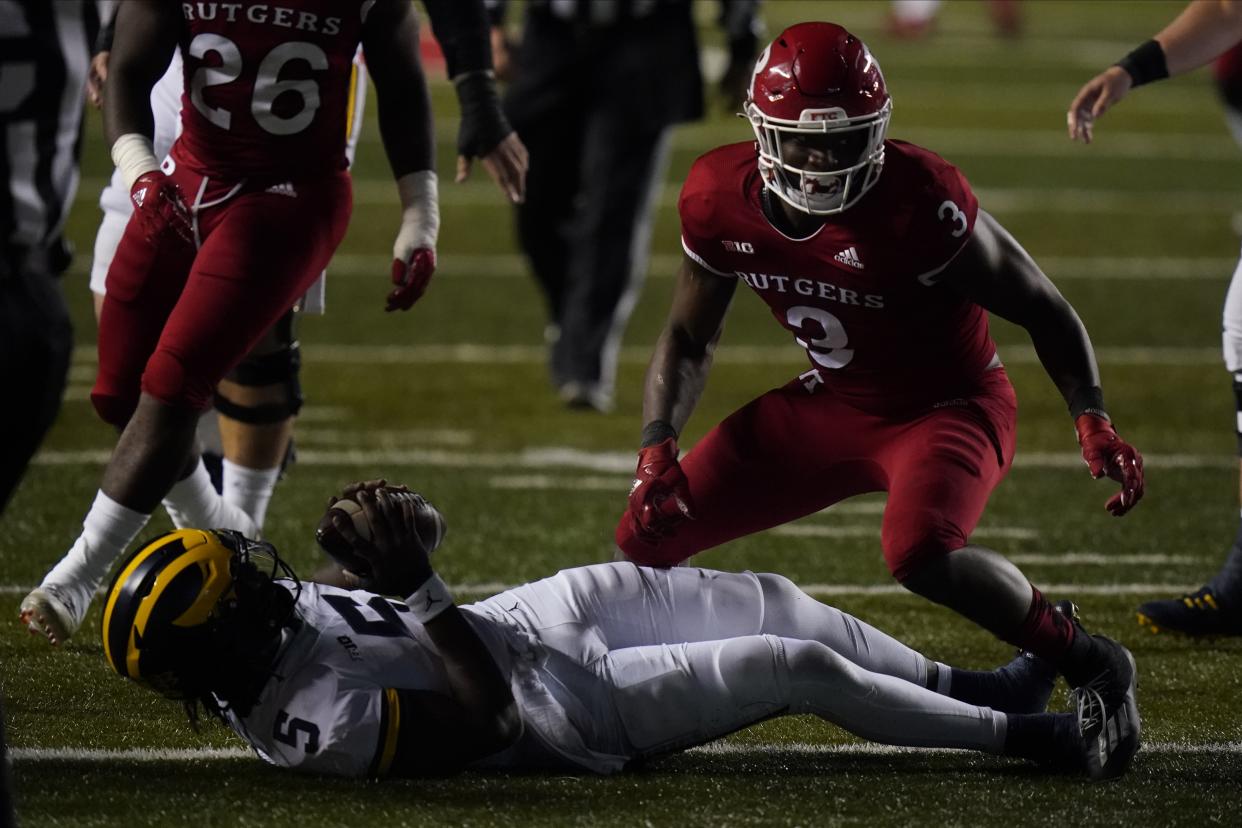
x: 285, y: 189
x: 139, y: 196
x: 849, y: 256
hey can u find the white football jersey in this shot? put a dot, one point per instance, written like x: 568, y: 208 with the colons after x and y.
x: 332, y: 705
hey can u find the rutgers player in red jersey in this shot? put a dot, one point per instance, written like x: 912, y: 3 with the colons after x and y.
x: 876, y: 257
x: 232, y: 228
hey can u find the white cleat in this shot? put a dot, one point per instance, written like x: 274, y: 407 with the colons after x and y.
x: 54, y: 611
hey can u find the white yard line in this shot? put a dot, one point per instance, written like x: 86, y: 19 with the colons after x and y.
x: 377, y: 192
x: 477, y: 354
x: 483, y: 589
x: 562, y: 457
x: 107, y: 755
x: 544, y: 482
x: 804, y: 530
x: 664, y: 266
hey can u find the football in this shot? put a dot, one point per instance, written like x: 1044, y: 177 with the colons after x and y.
x: 331, y: 541
x: 428, y: 523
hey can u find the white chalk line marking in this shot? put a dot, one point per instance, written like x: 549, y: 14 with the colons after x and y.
x: 154, y: 755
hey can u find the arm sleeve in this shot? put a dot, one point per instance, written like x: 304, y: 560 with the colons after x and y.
x: 461, y: 27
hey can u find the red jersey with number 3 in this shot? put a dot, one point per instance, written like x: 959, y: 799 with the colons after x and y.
x: 267, y: 86
x: 861, y: 294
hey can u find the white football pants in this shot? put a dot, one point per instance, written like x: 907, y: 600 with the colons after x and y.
x: 682, y: 656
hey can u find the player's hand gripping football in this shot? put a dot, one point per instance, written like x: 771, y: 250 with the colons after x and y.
x: 660, y: 495
x: 159, y: 207
x: 1106, y: 454
x: 386, y: 548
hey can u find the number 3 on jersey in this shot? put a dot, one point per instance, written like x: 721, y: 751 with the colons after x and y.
x: 827, y: 350
x: 267, y: 83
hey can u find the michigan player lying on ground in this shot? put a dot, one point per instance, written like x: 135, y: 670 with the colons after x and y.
x: 588, y: 670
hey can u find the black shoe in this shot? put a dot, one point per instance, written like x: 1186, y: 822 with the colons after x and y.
x: 1202, y: 613
x: 1107, y: 739
x: 1027, y: 684
x: 1105, y: 686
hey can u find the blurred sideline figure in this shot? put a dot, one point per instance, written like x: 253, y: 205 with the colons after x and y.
x: 207, y: 263
x: 1205, y: 30
x: 877, y: 258
x: 592, y: 670
x: 45, y: 49
x: 257, y: 403
x: 914, y: 19
x: 595, y: 88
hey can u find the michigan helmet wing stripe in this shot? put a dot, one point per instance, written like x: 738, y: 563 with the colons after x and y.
x: 390, y: 726
x: 211, y: 556
x: 130, y: 584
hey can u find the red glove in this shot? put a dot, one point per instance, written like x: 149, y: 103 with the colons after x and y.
x: 160, y: 208
x: 660, y: 495
x: 411, y: 278
x: 1105, y: 453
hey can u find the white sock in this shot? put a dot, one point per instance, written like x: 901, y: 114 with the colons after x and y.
x: 194, y: 503
x: 249, y: 489
x: 109, y: 528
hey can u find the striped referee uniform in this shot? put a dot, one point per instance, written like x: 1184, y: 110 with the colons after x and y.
x: 45, y: 49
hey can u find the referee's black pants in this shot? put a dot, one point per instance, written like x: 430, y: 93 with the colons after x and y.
x: 36, y: 344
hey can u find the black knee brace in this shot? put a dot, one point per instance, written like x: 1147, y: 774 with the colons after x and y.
x: 1237, y: 399
x: 276, y: 367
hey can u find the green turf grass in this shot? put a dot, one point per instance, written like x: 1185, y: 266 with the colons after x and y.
x: 462, y: 430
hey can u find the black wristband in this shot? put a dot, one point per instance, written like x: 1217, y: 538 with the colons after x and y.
x: 1088, y: 400
x: 483, y: 122
x: 103, y: 40
x: 657, y: 431
x: 1145, y: 64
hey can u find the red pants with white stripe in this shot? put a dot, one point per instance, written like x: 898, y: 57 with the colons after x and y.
x: 792, y: 452
x: 176, y: 319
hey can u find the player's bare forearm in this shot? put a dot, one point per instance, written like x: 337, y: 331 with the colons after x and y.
x: 403, y: 103
x: 993, y: 271
x: 675, y: 379
x: 143, y: 45
x: 1064, y: 349
x: 682, y: 360
x: 476, y: 682
x: 1202, y: 32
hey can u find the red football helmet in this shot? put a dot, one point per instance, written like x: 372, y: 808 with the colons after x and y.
x: 817, y: 79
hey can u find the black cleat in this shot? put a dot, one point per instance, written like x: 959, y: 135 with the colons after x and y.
x: 1105, y: 686
x: 1202, y: 613
x: 1107, y: 739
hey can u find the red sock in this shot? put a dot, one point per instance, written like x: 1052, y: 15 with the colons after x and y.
x: 1045, y: 632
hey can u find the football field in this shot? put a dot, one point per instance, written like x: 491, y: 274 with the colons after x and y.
x: 453, y: 399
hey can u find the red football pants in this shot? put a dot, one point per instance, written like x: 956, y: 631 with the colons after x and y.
x: 790, y: 453
x: 176, y: 320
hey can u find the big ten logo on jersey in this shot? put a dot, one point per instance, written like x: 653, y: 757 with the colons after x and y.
x: 261, y: 14
x: 738, y: 246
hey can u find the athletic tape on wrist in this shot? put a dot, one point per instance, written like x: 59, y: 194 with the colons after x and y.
x: 134, y: 156
x: 1146, y: 63
x: 429, y: 600
x: 420, y: 213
